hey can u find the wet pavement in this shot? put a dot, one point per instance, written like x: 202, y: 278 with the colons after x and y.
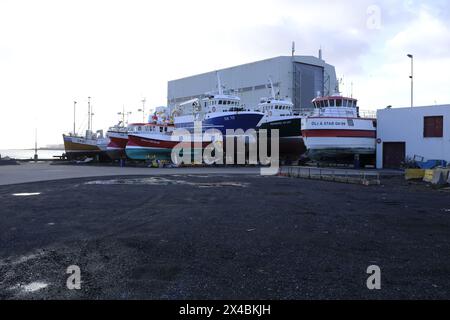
x: 45, y: 171
x: 223, y: 237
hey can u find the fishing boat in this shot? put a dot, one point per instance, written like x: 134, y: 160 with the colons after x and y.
x: 221, y: 111
x: 152, y: 141
x: 279, y: 115
x: 90, y: 145
x: 118, y: 139
x: 337, y: 130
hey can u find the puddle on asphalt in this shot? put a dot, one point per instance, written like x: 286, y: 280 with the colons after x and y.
x: 31, y: 287
x: 26, y: 194
x: 222, y: 184
x: 157, y: 181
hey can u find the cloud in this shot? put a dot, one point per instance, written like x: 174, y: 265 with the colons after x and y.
x: 426, y: 37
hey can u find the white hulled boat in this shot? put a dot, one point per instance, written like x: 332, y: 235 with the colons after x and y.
x: 337, y: 130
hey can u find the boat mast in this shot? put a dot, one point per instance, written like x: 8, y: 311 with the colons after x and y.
x: 89, y: 113
x: 219, y: 84
x: 74, y: 114
x: 271, y: 88
x: 143, y: 110
x: 92, y: 116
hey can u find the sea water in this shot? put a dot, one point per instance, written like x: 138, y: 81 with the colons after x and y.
x: 29, y: 154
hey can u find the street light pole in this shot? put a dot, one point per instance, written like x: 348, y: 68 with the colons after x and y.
x: 412, y: 79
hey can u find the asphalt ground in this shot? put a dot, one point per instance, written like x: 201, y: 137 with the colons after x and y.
x: 223, y: 236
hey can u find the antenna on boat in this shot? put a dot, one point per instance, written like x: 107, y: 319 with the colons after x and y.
x: 271, y: 88
x: 124, y: 114
x: 293, y: 48
x: 219, y: 83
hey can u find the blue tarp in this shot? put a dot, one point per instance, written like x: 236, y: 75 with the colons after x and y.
x: 431, y: 164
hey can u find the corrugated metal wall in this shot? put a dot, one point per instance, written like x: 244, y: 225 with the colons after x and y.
x: 308, y: 81
x: 251, y: 81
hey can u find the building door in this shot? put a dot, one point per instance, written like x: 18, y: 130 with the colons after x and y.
x: 394, y: 154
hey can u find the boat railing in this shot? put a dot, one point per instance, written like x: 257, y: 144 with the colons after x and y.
x: 342, y: 113
x: 372, y: 114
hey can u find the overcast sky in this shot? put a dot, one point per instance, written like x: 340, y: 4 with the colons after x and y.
x: 117, y: 52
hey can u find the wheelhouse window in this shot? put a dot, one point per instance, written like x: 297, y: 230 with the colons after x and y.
x: 332, y: 103
x: 433, y: 127
x: 338, y: 103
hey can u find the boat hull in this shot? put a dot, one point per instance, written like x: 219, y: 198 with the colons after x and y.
x: 156, y: 147
x: 223, y: 121
x: 291, y: 143
x: 79, y: 148
x: 331, y: 138
x: 117, y: 144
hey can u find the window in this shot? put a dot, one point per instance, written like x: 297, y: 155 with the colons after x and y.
x: 220, y: 101
x: 338, y: 103
x: 433, y: 127
x: 331, y: 103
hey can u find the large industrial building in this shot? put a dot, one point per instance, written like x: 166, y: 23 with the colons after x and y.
x: 300, y: 78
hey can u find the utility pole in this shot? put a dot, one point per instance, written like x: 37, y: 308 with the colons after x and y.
x: 412, y: 79
x: 35, y: 145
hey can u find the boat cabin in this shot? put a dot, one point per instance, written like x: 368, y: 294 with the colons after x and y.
x: 335, y: 106
x: 149, y: 127
x: 276, y: 107
x: 221, y: 103
x: 334, y: 101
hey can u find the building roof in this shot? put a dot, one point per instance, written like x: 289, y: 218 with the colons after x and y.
x: 301, y: 59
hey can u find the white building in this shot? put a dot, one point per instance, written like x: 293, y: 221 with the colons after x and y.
x: 403, y: 133
x: 299, y: 78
